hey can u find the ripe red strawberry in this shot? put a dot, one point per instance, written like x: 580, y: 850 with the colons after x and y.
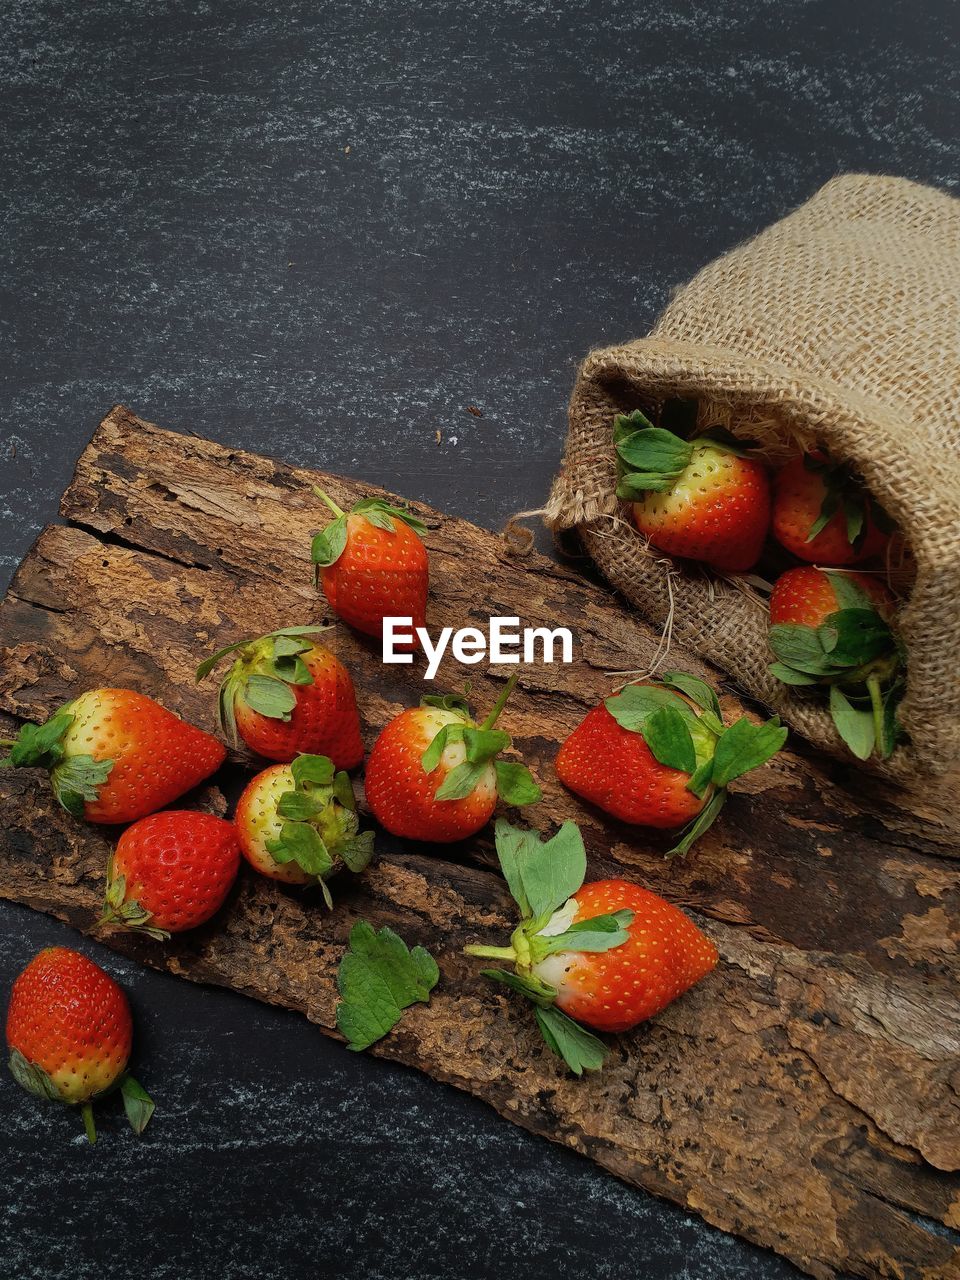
x: 286, y: 695
x: 433, y: 773
x: 69, y: 1034
x: 171, y: 871
x: 822, y: 514
x: 298, y: 823
x: 659, y: 755
x: 702, y: 499
x: 608, y: 954
x: 832, y: 628
x: 115, y: 755
x: 372, y: 565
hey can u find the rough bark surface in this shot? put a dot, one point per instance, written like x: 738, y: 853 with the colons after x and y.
x: 806, y: 1095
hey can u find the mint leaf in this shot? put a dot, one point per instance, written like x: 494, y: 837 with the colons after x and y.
x: 137, y: 1104
x: 516, y: 784
x: 745, y: 746
x: 268, y: 696
x: 580, y: 1050
x: 854, y: 725
x: 379, y: 977
x: 667, y: 735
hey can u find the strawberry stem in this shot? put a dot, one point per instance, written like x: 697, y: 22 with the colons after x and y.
x: 498, y: 706
x: 8, y: 742
x: 876, y: 702
x: 86, y: 1110
x: 491, y: 953
x: 329, y: 501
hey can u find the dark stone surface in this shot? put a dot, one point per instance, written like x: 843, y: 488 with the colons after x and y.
x: 321, y: 231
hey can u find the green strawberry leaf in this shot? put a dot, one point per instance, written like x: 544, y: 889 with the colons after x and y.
x: 638, y: 484
x: 516, y: 785
x: 301, y: 843
x: 269, y: 697
x: 697, y: 691
x: 667, y: 735
x: 787, y: 675
x: 316, y: 770
x: 357, y: 851
x: 578, y: 1048
x: 290, y: 669
x: 379, y: 977
x: 40, y: 745
x: 298, y: 806
x: 541, y: 875
x: 800, y: 648
x: 855, y: 725
x: 329, y: 544
x: 625, y: 424
x: 892, y: 729
x: 828, y: 509
x: 528, y: 985
x: 745, y: 746
x: 483, y: 744
x: 633, y: 706
x: 849, y: 593
x: 31, y: 1077
x: 343, y: 790
x: 454, y: 702
x: 601, y: 933
x: 459, y: 782
x: 701, y: 823
x: 137, y: 1104
x: 654, y: 450
x: 701, y: 778
x: 854, y: 516
x: 77, y: 779
x: 382, y: 514
x: 854, y: 637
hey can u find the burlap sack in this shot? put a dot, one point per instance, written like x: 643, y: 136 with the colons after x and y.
x: 839, y: 325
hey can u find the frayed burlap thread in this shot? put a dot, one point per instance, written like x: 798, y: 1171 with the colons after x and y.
x: 838, y: 326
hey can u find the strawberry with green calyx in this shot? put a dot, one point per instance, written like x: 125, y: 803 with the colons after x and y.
x: 170, y: 871
x: 833, y: 629
x: 702, y: 499
x: 379, y: 977
x: 659, y: 755
x: 70, y: 1033
x: 115, y: 755
x: 286, y: 694
x: 298, y: 823
x: 434, y: 773
x: 608, y: 954
x: 823, y: 514
x: 372, y: 565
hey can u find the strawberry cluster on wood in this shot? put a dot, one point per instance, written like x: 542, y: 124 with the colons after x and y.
x: 768, y: 1065
x: 704, y: 497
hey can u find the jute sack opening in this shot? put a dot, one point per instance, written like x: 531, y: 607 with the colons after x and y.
x: 839, y: 326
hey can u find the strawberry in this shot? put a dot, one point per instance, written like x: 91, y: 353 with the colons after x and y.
x: 702, y: 499
x: 659, y: 755
x: 372, y: 565
x: 286, y: 695
x: 298, y: 823
x: 822, y: 514
x: 115, y: 755
x: 608, y: 954
x: 833, y: 629
x: 69, y: 1033
x: 433, y: 773
x: 171, y: 871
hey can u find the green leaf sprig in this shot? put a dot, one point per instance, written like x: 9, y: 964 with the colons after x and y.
x: 75, y: 779
x: 329, y: 544
x: 544, y: 876
x: 714, y: 754
x: 651, y: 459
x: 482, y: 744
x: 264, y: 675
x: 379, y: 977
x: 320, y: 828
x: 855, y: 653
x: 137, y: 1103
x: 845, y: 495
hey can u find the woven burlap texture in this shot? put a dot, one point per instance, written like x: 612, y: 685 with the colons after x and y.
x: 838, y: 326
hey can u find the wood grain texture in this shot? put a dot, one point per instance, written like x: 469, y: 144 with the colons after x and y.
x: 806, y: 1095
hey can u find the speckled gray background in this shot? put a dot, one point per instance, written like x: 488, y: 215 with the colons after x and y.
x: 321, y: 231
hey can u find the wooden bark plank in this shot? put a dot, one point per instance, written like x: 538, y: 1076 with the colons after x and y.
x: 806, y: 1096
